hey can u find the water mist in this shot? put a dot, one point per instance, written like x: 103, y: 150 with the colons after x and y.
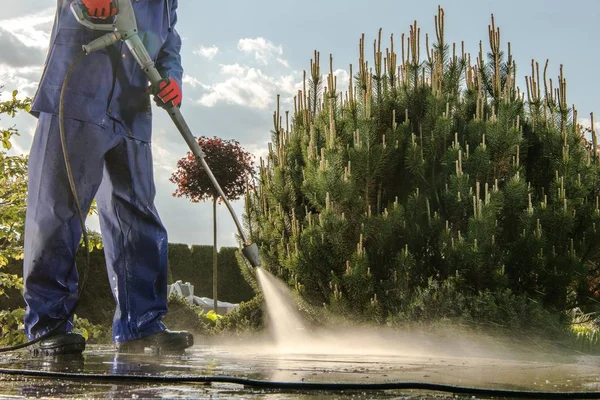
x: 291, y: 335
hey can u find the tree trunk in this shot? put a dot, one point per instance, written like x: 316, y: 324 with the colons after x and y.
x: 215, y: 295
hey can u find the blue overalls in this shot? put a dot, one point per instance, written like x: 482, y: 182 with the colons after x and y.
x: 108, y: 126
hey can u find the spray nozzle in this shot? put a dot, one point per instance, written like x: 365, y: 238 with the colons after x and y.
x: 252, y: 255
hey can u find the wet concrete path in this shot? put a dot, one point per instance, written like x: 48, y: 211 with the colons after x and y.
x: 565, y: 374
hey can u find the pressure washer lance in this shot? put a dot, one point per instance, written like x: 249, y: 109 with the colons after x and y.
x: 124, y: 28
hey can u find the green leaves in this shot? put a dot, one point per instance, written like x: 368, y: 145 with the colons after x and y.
x: 13, y: 194
x: 11, y: 327
x: 91, y: 332
x: 12, y: 106
x: 8, y: 281
x: 7, y: 134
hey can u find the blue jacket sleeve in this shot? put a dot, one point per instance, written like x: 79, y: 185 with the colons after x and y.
x: 168, y: 61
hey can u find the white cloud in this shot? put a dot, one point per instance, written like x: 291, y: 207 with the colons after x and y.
x: 32, y: 30
x: 165, y: 162
x: 233, y: 69
x: 168, y: 147
x: 264, y: 50
x: 258, y: 150
x: 24, y: 79
x: 254, y: 88
x: 19, y: 149
x: 248, y: 87
x: 342, y: 81
x: 586, y: 123
x: 283, y: 62
x: 289, y: 84
x: 208, y: 52
x: 193, y: 82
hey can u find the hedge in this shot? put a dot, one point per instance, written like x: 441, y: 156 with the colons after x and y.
x: 187, y: 264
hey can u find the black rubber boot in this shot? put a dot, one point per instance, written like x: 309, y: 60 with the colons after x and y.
x: 161, y: 342
x: 59, y: 344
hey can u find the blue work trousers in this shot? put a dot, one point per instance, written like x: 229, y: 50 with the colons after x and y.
x: 117, y: 170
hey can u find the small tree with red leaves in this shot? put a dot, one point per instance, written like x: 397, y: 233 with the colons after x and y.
x: 232, y: 167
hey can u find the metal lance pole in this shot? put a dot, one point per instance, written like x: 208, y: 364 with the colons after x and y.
x: 125, y: 28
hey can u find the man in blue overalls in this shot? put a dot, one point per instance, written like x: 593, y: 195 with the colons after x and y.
x: 108, y: 124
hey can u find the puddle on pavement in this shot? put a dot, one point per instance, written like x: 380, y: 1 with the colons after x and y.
x: 253, y: 361
x: 290, y: 353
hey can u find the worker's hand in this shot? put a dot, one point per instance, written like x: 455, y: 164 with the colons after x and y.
x: 168, y: 93
x: 100, y: 8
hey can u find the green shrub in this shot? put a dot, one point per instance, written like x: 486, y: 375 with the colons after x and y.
x: 183, y: 315
x: 232, y: 287
x: 247, y: 318
x: 499, y: 310
x: 201, y: 270
x: 194, y: 265
x: 97, y: 302
x: 587, y: 338
x: 93, y: 333
x: 13, y: 190
x: 585, y: 328
x: 187, y: 264
x: 11, y: 327
x: 427, y: 169
x: 13, y: 296
x: 180, y: 263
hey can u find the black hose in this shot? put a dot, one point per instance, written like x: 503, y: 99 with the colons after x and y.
x: 63, y: 140
x: 308, y: 386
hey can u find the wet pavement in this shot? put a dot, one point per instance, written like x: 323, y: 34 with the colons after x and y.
x: 565, y: 373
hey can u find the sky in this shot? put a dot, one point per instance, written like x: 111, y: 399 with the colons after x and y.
x: 239, y: 55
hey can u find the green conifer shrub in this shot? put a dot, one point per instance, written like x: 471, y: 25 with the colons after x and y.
x: 431, y: 167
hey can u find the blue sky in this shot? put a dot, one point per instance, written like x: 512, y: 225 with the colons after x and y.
x: 239, y: 55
